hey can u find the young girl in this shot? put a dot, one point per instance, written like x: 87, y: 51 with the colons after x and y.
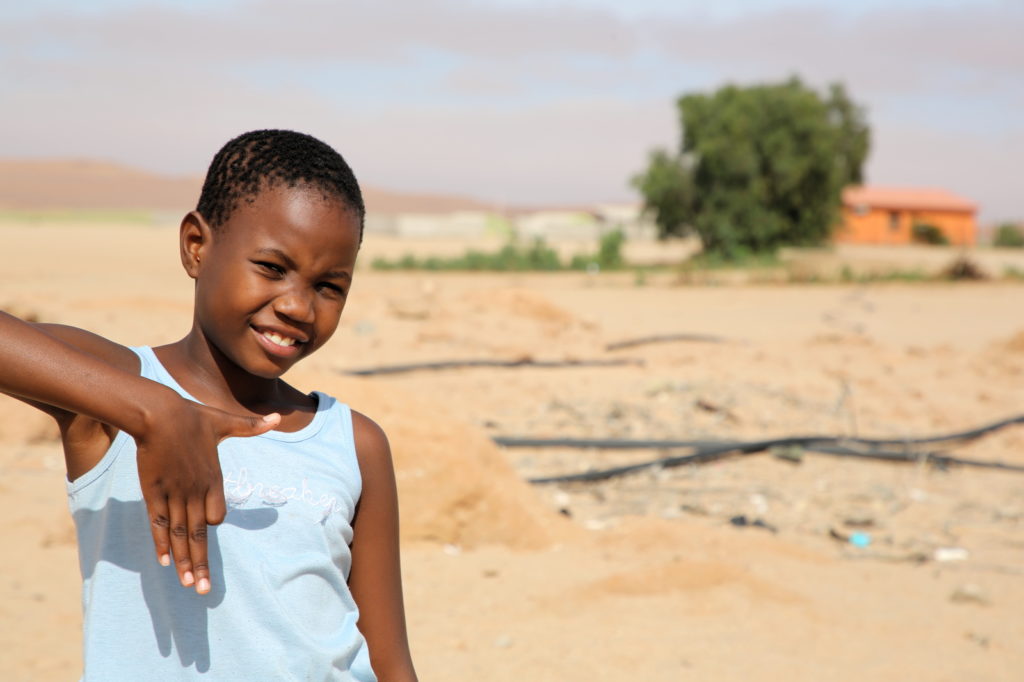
x: 302, y: 579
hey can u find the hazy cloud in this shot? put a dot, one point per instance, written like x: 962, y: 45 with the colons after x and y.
x: 510, y: 101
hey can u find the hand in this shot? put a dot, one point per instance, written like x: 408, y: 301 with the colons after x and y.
x: 181, y: 481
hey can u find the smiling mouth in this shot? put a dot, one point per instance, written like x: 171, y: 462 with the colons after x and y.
x: 277, y: 339
x: 278, y: 344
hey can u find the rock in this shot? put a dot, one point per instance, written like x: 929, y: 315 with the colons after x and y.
x: 950, y: 554
x: 859, y: 518
x: 969, y: 593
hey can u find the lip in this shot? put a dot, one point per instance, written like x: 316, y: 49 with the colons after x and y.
x: 274, y: 349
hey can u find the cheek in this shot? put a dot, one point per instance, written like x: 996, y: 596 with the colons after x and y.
x: 327, y: 318
x: 223, y: 297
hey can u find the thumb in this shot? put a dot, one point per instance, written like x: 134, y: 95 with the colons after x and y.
x: 242, y: 427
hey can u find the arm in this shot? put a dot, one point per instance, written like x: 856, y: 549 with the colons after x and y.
x: 376, y: 577
x: 178, y: 468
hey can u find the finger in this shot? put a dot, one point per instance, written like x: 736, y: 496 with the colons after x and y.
x: 237, y: 426
x: 215, y: 507
x: 197, y: 544
x: 179, y: 542
x: 159, y: 524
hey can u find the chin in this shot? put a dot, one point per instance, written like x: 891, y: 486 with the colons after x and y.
x: 262, y: 367
x: 270, y: 372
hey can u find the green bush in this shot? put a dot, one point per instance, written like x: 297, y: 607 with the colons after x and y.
x: 926, y: 233
x: 513, y: 256
x: 1009, y: 235
x: 609, y: 251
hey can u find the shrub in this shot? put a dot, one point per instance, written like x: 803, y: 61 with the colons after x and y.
x: 964, y: 268
x: 926, y: 233
x: 609, y: 251
x: 1009, y: 235
x: 514, y: 257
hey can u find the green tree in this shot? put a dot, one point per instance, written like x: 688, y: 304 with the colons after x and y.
x: 667, y: 188
x: 1008, y: 234
x: 759, y: 167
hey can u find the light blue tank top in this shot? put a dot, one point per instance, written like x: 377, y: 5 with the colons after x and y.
x: 279, y: 607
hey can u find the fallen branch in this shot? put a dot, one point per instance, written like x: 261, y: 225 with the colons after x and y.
x: 504, y: 364
x: 663, y: 338
x: 707, y: 451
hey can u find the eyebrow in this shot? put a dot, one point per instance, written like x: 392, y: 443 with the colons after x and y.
x: 278, y: 253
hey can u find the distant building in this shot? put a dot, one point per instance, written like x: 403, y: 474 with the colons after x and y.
x: 884, y: 215
x: 554, y: 224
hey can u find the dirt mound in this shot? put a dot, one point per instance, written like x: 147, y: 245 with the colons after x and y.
x: 454, y: 485
x: 82, y: 184
x: 1015, y: 344
x: 40, y: 184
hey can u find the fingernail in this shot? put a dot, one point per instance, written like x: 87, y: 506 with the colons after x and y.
x: 204, y: 586
x: 189, y: 579
x: 165, y: 559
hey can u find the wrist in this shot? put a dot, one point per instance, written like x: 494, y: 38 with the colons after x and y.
x: 152, y: 405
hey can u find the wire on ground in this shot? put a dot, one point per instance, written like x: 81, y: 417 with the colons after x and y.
x: 887, y: 449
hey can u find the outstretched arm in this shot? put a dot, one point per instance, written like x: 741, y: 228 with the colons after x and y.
x: 178, y: 467
x: 376, y: 577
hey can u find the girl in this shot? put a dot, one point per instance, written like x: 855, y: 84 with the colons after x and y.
x: 309, y: 540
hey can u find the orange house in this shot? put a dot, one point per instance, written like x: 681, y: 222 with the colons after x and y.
x: 884, y: 215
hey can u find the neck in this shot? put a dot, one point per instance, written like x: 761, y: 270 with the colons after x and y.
x: 210, y: 376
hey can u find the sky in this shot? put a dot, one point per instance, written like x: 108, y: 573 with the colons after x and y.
x: 525, y: 102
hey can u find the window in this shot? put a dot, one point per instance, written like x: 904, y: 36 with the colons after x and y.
x: 894, y: 221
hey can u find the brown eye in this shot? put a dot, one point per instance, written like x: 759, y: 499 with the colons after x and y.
x: 270, y: 268
x: 332, y: 289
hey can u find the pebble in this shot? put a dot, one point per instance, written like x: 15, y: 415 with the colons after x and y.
x: 859, y: 518
x: 950, y: 554
x: 969, y: 593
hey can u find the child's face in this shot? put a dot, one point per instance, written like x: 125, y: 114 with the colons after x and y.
x: 272, y: 281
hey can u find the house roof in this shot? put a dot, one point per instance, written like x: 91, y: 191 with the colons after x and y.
x: 920, y: 199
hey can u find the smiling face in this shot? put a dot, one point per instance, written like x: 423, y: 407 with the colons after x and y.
x: 271, y: 282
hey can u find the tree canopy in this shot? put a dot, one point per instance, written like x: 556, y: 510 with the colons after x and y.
x: 758, y: 168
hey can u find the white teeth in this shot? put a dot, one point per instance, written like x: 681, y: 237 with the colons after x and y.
x: 278, y: 339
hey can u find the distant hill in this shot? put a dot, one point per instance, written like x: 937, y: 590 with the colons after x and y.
x: 99, y: 185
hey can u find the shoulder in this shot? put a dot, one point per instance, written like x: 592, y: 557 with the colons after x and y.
x: 110, y: 352
x: 373, y: 452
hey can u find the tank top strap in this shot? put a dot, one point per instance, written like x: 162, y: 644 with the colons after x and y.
x: 338, y: 428
x: 151, y: 368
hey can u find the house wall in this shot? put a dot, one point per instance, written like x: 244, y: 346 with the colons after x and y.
x: 885, y: 226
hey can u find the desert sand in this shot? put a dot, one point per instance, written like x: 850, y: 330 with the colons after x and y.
x: 638, y: 578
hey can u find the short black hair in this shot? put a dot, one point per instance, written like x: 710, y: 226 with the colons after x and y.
x: 262, y: 159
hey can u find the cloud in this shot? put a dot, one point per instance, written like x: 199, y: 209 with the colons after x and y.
x: 883, y: 50
x: 318, y: 30
x: 534, y: 103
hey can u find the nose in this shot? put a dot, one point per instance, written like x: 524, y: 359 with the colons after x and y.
x: 295, y: 303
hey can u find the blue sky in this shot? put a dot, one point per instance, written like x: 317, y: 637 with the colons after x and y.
x: 509, y: 100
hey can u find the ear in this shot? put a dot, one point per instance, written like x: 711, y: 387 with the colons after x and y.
x: 194, y: 239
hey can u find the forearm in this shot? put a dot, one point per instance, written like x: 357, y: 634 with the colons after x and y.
x: 36, y: 366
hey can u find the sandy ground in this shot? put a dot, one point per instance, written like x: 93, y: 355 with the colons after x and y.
x: 642, y: 577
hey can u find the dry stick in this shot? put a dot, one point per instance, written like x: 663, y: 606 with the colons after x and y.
x: 706, y: 451
x: 663, y: 338
x: 462, y: 364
